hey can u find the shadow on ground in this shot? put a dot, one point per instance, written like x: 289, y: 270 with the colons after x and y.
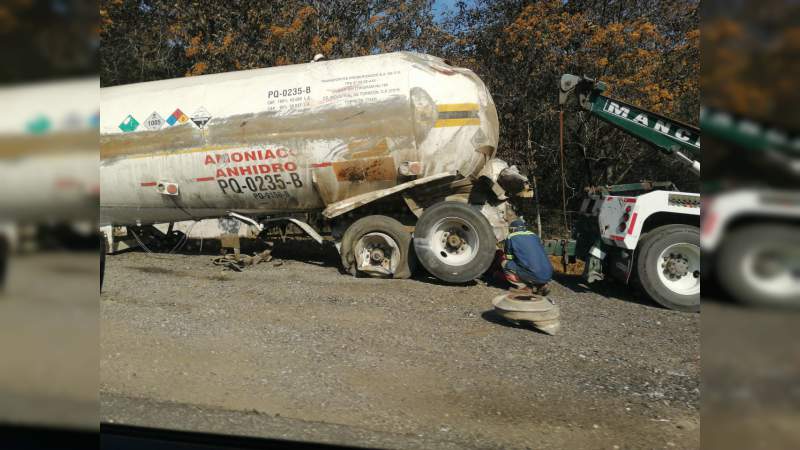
x: 609, y: 289
x: 302, y: 250
x: 492, y: 317
x: 306, y: 251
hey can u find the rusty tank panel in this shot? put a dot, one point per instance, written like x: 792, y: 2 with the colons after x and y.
x: 288, y: 139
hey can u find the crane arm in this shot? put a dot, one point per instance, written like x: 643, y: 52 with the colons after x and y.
x: 670, y: 136
x: 749, y: 134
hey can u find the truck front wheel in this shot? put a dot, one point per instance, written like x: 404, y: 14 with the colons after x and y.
x: 454, y: 241
x: 377, y: 246
x: 668, y: 266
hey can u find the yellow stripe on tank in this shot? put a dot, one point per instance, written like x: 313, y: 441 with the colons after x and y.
x: 456, y: 122
x: 457, y: 107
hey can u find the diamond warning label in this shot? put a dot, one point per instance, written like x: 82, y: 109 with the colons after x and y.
x: 177, y: 116
x: 201, y: 117
x: 129, y: 124
x: 154, y: 121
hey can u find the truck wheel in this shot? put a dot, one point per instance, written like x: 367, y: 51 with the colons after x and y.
x: 378, y: 246
x: 103, y: 250
x: 454, y: 242
x: 4, y: 255
x: 668, y: 266
x: 757, y: 265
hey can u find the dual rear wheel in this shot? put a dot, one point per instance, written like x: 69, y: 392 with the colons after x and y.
x: 756, y: 264
x: 668, y: 266
x: 378, y: 246
x: 452, y: 240
x: 759, y: 265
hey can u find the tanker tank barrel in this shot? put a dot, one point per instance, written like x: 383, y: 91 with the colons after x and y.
x: 333, y: 141
x: 289, y: 139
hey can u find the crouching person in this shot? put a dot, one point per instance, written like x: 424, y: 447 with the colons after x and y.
x: 525, y: 263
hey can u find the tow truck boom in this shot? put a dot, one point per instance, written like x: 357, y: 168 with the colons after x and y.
x: 667, y: 135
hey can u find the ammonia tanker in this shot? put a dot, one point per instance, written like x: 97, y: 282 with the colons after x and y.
x: 48, y: 160
x: 390, y: 156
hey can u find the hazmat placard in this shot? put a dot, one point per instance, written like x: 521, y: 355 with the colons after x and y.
x: 129, y: 124
x: 201, y: 117
x: 154, y: 121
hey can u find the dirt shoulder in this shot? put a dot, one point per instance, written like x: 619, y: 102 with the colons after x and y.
x: 390, y: 363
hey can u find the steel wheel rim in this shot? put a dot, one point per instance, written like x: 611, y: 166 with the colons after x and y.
x: 454, y: 241
x: 679, y: 268
x: 371, y: 243
x: 783, y: 283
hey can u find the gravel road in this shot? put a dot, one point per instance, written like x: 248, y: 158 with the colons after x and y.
x: 300, y: 351
x: 48, y: 341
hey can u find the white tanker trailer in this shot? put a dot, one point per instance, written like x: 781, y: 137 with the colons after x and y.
x: 48, y: 155
x: 366, y: 151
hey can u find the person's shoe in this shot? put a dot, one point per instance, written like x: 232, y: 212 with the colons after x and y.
x: 543, y: 290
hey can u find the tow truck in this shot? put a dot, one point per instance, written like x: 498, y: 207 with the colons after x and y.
x: 648, y: 233
x: 751, y: 229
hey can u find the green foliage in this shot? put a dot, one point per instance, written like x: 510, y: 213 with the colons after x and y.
x: 41, y: 40
x: 156, y: 39
x: 647, y: 51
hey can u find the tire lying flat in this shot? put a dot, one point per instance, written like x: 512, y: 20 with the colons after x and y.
x: 454, y: 242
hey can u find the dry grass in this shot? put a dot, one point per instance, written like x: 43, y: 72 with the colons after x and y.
x: 575, y: 268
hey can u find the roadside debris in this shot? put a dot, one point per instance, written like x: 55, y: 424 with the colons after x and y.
x: 237, y: 262
x: 541, y: 312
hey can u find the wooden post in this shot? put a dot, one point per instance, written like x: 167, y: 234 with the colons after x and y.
x: 563, y: 172
x: 535, y: 188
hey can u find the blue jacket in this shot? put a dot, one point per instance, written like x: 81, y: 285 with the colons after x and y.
x: 527, y: 258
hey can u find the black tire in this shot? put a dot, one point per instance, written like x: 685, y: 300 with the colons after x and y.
x: 485, y: 248
x: 103, y: 250
x: 648, y: 264
x: 4, y: 255
x: 385, y: 225
x: 749, y: 241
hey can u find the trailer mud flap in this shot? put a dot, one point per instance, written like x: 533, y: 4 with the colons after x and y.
x: 593, y: 270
